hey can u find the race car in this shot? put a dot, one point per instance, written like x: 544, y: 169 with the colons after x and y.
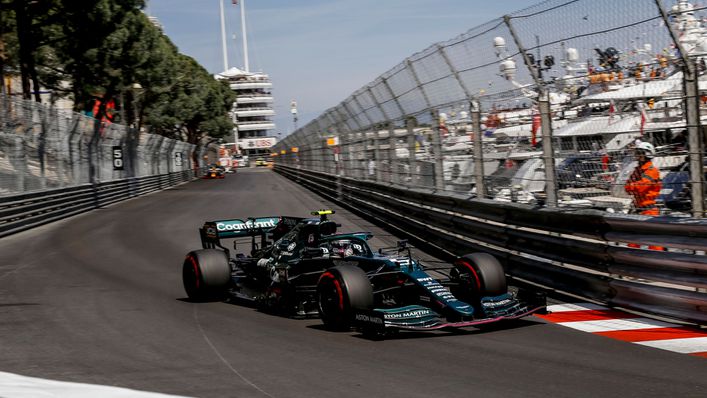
x: 215, y: 171
x: 302, y: 267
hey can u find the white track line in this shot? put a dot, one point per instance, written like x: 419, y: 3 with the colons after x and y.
x: 685, y: 346
x: 221, y: 357
x: 574, y: 307
x: 610, y: 325
x: 16, y: 386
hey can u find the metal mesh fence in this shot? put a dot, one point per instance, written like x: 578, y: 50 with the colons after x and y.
x: 42, y: 147
x: 579, y: 88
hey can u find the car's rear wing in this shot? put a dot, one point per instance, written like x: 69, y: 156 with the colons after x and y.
x: 224, y: 229
x: 268, y: 228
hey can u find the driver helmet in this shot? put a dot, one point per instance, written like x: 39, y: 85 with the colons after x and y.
x: 344, y: 248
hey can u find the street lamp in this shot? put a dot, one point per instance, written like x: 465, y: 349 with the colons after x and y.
x: 293, y: 110
x: 137, y: 91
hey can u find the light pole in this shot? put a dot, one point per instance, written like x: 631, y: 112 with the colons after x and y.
x: 536, y: 68
x: 293, y: 110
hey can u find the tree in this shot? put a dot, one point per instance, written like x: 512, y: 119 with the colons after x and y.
x: 197, y: 105
x: 8, y: 41
x: 107, y: 51
x: 93, y: 52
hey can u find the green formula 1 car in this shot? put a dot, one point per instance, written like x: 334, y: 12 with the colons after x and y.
x: 304, y: 267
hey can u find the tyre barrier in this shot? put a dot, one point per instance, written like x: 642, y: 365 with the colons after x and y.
x: 23, y: 211
x: 581, y: 253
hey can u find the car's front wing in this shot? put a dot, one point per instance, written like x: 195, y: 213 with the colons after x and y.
x: 422, y: 318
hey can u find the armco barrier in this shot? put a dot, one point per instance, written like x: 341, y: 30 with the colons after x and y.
x: 582, y: 253
x: 24, y: 211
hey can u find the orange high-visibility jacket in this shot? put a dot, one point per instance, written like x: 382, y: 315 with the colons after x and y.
x: 644, y: 185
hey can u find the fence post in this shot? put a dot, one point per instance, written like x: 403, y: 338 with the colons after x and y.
x: 392, y: 157
x: 75, y: 150
x: 436, y: 138
x: 19, y: 162
x: 692, y: 111
x: 322, y: 151
x: 310, y: 141
x: 410, y: 124
x: 349, y: 164
x: 437, y: 152
x: 60, y: 149
x: 92, y: 149
x: 478, y: 149
x: 418, y: 83
x: 545, y: 120
x: 455, y: 73
x: 390, y: 126
x: 351, y: 115
x: 346, y: 153
x: 338, y: 161
x: 359, y: 154
x: 169, y: 155
x: 695, y: 145
x: 377, y: 152
x: 42, y: 145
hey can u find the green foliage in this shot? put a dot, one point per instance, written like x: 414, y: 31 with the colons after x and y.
x: 108, y: 50
x: 9, y: 45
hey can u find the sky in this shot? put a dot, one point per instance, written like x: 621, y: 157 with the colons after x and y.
x: 318, y: 52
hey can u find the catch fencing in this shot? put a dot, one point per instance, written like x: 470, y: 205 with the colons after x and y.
x: 521, y: 138
x: 55, y: 164
x: 544, y: 106
x: 44, y: 148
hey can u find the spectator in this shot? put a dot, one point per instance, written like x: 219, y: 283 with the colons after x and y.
x: 644, y: 184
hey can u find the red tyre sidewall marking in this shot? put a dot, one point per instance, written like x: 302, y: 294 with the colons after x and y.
x: 196, y: 270
x: 473, y: 272
x: 337, y: 285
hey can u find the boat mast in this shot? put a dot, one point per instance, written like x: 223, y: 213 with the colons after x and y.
x: 223, y: 38
x: 245, y: 38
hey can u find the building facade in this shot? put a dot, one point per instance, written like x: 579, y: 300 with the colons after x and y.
x: 252, y: 112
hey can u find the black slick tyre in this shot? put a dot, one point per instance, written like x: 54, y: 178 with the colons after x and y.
x: 206, y: 274
x: 478, y: 275
x: 340, y: 290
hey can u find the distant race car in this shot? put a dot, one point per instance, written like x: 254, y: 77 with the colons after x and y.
x: 215, y: 171
x: 302, y: 267
x: 260, y: 162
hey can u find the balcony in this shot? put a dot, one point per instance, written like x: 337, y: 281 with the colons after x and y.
x: 250, y: 85
x: 258, y: 125
x: 254, y: 99
x: 251, y: 112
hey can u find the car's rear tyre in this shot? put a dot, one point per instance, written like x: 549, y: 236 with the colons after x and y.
x: 478, y: 275
x: 206, y: 274
x: 340, y: 290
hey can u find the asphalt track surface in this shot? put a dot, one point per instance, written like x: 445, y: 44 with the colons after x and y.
x: 98, y: 298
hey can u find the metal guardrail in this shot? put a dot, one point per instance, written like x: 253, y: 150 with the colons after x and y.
x: 582, y: 253
x: 28, y: 210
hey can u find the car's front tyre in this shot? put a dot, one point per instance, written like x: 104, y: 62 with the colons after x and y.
x: 340, y: 290
x: 478, y: 275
